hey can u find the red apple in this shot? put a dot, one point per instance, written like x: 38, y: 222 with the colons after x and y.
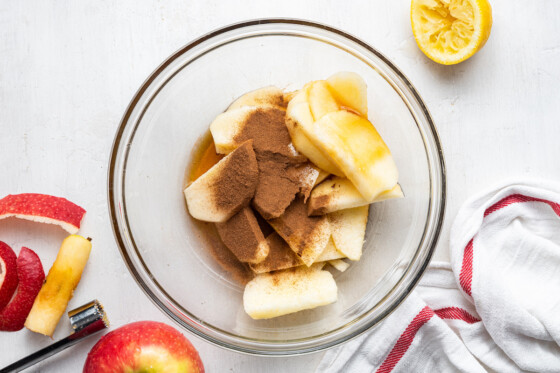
x: 44, y: 209
x: 8, y: 274
x: 30, y: 279
x: 144, y: 346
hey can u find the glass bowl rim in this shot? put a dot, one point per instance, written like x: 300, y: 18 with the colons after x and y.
x: 253, y: 346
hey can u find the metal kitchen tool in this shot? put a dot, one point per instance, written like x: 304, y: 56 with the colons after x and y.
x: 85, y: 320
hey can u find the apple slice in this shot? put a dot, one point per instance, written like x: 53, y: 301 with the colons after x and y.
x: 350, y: 91
x: 348, y: 229
x: 228, y: 126
x: 322, y: 176
x: 307, y: 235
x: 339, y: 193
x: 321, y: 101
x: 279, y: 257
x: 279, y: 293
x: 226, y: 188
x: 330, y: 253
x: 8, y: 274
x: 339, y: 264
x: 43, y: 208
x: 243, y: 237
x: 298, y: 119
x: 63, y: 277
x: 356, y: 147
x: 266, y: 96
x: 30, y: 279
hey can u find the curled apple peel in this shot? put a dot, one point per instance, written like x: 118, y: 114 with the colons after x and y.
x: 44, y: 209
x: 8, y: 274
x: 30, y: 279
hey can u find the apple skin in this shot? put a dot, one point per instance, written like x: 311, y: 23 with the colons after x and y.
x: 10, y: 280
x: 143, y: 346
x: 30, y: 279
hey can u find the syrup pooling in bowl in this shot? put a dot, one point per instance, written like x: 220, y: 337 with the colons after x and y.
x: 203, y: 158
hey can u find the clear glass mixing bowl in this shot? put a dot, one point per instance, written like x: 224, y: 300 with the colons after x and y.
x: 154, y: 145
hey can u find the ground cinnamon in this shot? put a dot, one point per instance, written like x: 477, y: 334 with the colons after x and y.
x: 235, y: 186
x: 243, y: 236
x: 276, y: 157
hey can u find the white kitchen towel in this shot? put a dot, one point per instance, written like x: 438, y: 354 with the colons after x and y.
x: 496, y: 307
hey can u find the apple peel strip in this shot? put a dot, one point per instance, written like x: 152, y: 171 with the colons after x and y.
x: 43, y: 208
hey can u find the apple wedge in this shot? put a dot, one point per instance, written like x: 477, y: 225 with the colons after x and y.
x: 279, y: 257
x: 321, y: 101
x: 30, y: 279
x: 228, y: 126
x: 280, y: 293
x: 298, y: 119
x: 225, y: 188
x: 330, y: 253
x: 8, y: 274
x: 339, y: 265
x: 266, y: 96
x: 356, y: 147
x: 350, y: 91
x: 243, y: 237
x: 348, y: 229
x: 56, y: 292
x: 43, y: 208
x: 307, y: 235
x: 338, y: 193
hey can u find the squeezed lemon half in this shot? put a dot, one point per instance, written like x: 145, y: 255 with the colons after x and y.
x: 450, y: 31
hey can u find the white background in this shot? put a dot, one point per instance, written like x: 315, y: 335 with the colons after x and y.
x: 69, y: 68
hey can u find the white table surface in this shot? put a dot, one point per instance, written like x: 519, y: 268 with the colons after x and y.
x: 69, y: 68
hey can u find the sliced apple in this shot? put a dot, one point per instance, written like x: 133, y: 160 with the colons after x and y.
x: 338, y: 193
x: 298, y: 120
x: 356, y: 147
x: 227, y: 127
x: 350, y: 91
x: 43, y: 208
x: 307, y: 235
x: 321, y: 101
x: 279, y: 257
x: 348, y: 229
x: 280, y: 293
x: 306, y: 174
x: 8, y: 274
x: 30, y: 279
x: 243, y: 236
x: 56, y: 292
x: 339, y: 264
x: 225, y: 188
x: 330, y: 253
x: 322, y: 176
x: 266, y: 96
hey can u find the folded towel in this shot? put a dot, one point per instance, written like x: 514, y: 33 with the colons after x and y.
x: 495, y: 307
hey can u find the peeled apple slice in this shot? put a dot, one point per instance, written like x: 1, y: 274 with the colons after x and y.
x: 338, y: 193
x: 321, y: 101
x: 348, y: 229
x: 299, y: 118
x: 266, y: 96
x: 356, y: 147
x: 349, y: 90
x: 329, y: 253
x: 63, y: 277
x: 228, y: 125
x: 280, y: 293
